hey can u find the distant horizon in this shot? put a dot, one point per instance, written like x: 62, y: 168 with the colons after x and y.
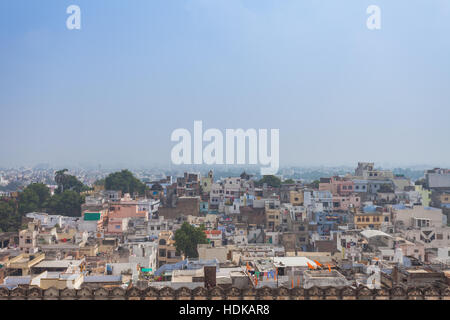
x: 222, y: 167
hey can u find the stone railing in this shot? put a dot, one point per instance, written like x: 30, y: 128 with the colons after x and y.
x: 265, y: 293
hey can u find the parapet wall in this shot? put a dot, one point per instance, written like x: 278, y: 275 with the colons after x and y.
x: 265, y: 293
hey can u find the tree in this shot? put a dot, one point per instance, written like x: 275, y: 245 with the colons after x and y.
x: 10, y: 219
x: 271, y: 181
x: 67, y: 203
x: 34, y: 198
x: 314, y: 184
x: 245, y: 176
x: 100, y: 183
x: 60, y: 177
x: 288, y: 181
x: 187, y: 238
x: 126, y: 182
x: 68, y: 182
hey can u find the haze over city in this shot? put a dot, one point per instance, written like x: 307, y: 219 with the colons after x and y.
x: 112, y: 92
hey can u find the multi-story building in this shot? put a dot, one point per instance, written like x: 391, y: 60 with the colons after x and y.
x: 370, y: 219
x: 337, y: 185
x: 167, y: 252
x: 28, y: 238
x: 438, y: 178
x: 344, y: 203
x: 272, y: 209
x: 418, y: 216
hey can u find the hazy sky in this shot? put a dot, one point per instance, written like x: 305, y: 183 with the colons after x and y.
x: 114, y: 91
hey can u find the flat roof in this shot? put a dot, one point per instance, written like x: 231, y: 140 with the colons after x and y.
x: 374, y: 233
x: 293, y: 262
x: 58, y: 263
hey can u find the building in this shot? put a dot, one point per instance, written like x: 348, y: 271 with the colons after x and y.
x: 28, y: 238
x: 418, y: 216
x: 438, y: 178
x: 167, y: 252
x: 371, y: 219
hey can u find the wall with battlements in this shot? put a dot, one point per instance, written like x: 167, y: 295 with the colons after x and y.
x: 265, y: 293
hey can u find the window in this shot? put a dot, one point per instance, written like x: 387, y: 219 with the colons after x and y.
x: 439, y: 236
x: 367, y: 219
x: 359, y: 219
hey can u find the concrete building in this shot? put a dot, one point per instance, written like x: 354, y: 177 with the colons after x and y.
x: 167, y: 253
x: 209, y: 252
x: 418, y: 216
x: 324, y: 278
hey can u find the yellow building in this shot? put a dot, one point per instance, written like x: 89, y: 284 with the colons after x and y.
x: 371, y: 220
x: 272, y: 218
x: 296, y: 198
x: 206, y: 182
x: 425, y: 195
x: 445, y: 198
x: 21, y: 264
x: 166, y: 249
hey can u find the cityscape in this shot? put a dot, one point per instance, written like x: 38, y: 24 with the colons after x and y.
x: 367, y: 234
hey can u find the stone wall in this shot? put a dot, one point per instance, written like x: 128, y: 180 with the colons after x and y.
x: 200, y: 293
x: 184, y: 207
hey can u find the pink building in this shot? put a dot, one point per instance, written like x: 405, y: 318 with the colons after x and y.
x: 120, y: 212
x: 117, y: 225
x: 126, y: 210
x: 343, y: 203
x: 337, y: 186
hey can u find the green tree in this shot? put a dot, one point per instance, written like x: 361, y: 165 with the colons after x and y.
x: 68, y: 182
x: 272, y: 181
x: 100, y: 182
x: 126, y: 182
x: 314, y: 184
x: 34, y: 198
x: 288, y: 181
x: 187, y: 238
x: 10, y: 219
x: 67, y: 203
